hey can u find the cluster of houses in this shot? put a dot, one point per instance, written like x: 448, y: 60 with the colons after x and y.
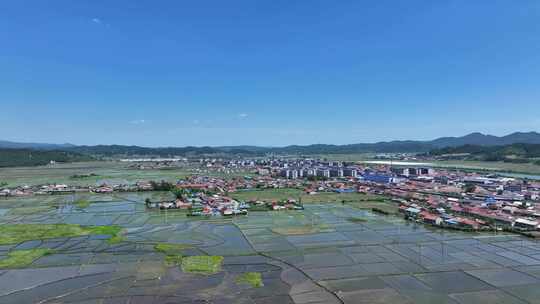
x: 55, y: 188
x: 469, y: 201
x: 199, y: 203
x: 26, y: 190
x: 453, y: 214
x: 439, y: 217
x: 447, y: 198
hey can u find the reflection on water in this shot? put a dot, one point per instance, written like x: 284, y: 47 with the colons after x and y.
x: 517, y: 175
x: 374, y: 258
x: 397, y: 163
x: 403, y: 163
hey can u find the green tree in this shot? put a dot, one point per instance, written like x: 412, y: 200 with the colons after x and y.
x: 162, y: 186
x: 179, y: 192
x: 469, y: 188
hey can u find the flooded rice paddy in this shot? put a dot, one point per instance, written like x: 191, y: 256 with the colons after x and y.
x: 313, y: 256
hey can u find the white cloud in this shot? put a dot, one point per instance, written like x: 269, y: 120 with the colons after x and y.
x: 97, y: 20
x: 242, y: 115
x: 137, y: 122
x: 196, y: 121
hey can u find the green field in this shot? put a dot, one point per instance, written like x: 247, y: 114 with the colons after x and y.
x: 480, y: 166
x: 104, y: 172
x: 173, y: 252
x: 111, y: 172
x: 23, y: 258
x: 98, y: 172
x: 346, y: 249
x: 16, y: 233
x: 202, y: 264
x: 268, y: 194
x: 293, y: 193
x: 358, y: 200
x: 251, y: 278
x: 346, y: 157
x: 526, y: 168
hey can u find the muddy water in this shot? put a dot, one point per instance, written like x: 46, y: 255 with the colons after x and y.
x: 376, y: 260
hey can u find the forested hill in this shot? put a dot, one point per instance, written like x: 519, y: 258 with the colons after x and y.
x: 397, y: 146
x: 30, y: 157
x: 403, y: 146
x: 128, y: 151
x: 520, y: 153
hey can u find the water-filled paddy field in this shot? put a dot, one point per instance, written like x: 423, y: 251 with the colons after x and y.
x: 328, y: 253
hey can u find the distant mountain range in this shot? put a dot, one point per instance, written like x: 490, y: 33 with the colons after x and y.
x: 37, y: 146
x: 15, y: 157
x: 477, y: 139
x: 480, y: 139
x: 513, y: 153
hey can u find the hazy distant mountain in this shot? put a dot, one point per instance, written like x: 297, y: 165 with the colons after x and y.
x: 380, y: 147
x: 39, y: 146
x: 515, y: 153
x: 469, y: 139
x: 14, y: 157
x: 521, y: 137
x: 480, y: 139
x: 128, y: 151
x: 476, y: 139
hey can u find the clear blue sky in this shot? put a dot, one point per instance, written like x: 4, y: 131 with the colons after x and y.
x: 276, y: 72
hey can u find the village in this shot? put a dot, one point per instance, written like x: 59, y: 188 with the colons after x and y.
x: 441, y: 197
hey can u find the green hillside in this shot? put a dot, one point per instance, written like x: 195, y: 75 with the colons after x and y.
x: 27, y: 157
x: 516, y: 153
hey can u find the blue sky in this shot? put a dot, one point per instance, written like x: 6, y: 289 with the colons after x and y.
x: 279, y: 72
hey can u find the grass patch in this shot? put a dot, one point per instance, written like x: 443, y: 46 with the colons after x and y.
x: 173, y: 260
x: 356, y: 219
x: 202, y: 264
x: 251, y: 278
x: 525, y: 168
x: 280, y: 194
x: 173, y: 252
x: 23, y: 258
x: 334, y: 197
x: 82, y: 203
x: 386, y: 207
x: 116, y: 239
x: 300, y: 230
x: 30, y: 210
x: 17, y: 233
x: 170, y: 248
x: 268, y: 194
x: 83, y: 176
x: 105, y: 230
